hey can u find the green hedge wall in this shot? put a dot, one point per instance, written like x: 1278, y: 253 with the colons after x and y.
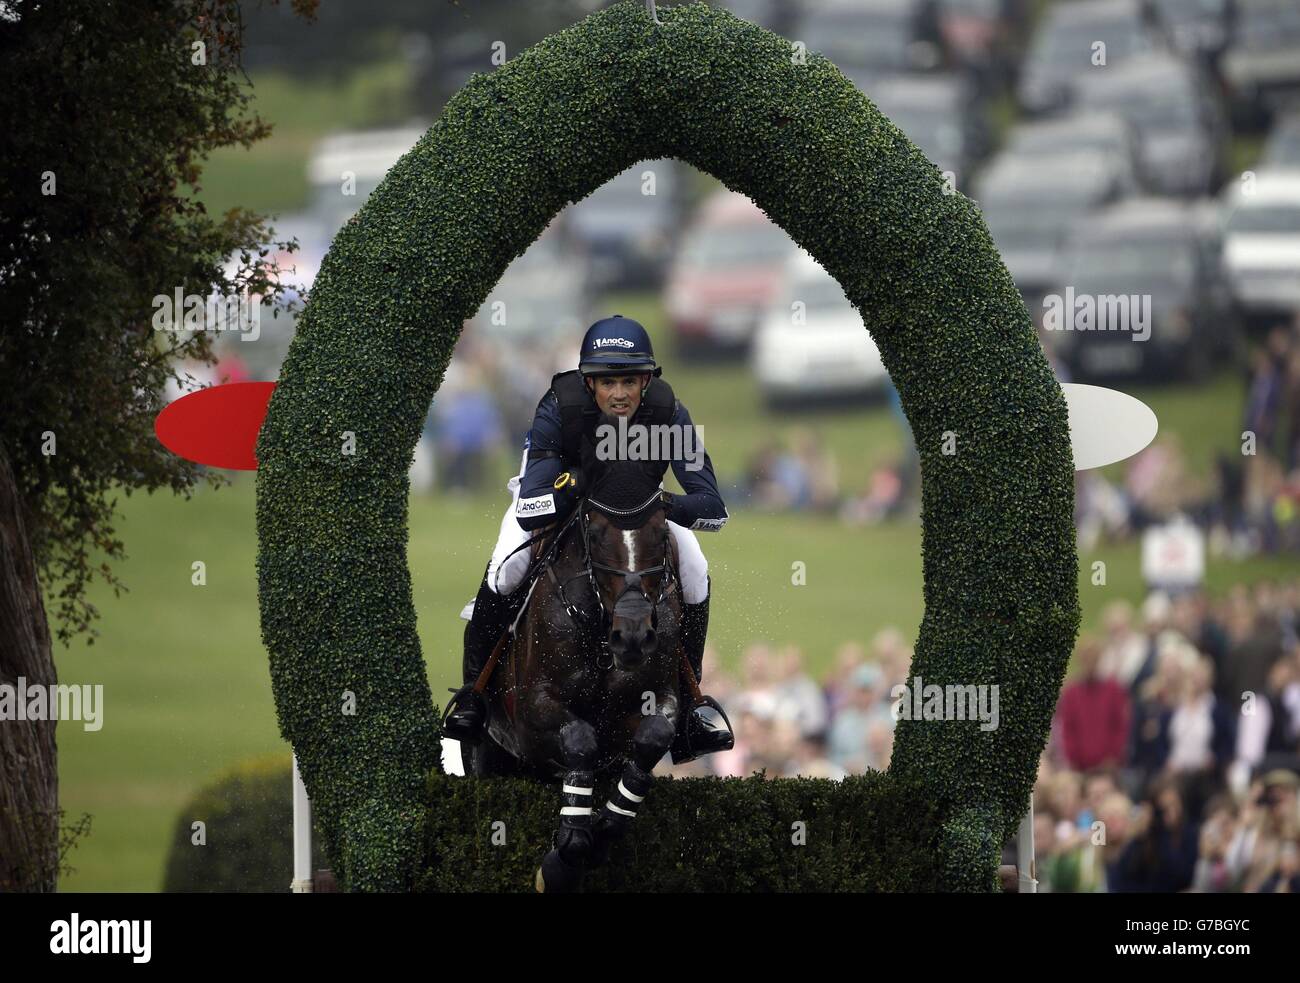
x: 695, y: 834
x: 511, y: 150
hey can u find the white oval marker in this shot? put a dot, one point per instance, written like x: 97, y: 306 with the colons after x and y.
x: 1106, y: 425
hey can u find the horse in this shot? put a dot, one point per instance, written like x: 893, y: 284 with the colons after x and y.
x: 589, y: 678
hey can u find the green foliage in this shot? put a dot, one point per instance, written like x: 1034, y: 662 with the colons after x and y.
x: 694, y: 834
x: 509, y: 152
x: 248, y: 814
x: 107, y: 120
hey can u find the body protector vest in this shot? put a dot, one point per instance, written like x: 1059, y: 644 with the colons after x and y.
x: 579, y: 415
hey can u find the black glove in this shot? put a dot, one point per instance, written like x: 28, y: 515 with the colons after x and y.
x: 670, y: 502
x: 573, y: 482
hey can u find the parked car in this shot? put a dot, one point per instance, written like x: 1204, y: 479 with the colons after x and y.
x: 942, y: 114
x: 1261, y: 64
x: 629, y: 225
x: 1063, y: 48
x: 1164, y: 257
x: 812, y: 343
x: 543, y: 295
x: 1176, y: 111
x: 342, y: 171
x: 346, y: 167
x: 1282, y: 150
x: 1262, y: 245
x: 724, y: 276
x: 1196, y: 28
x: 1108, y: 134
x: 1031, y: 206
x: 867, y: 41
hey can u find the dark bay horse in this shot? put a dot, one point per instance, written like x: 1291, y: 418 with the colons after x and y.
x: 590, y: 681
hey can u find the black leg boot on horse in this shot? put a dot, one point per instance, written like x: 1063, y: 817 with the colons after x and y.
x: 574, y: 845
x: 703, y: 728
x: 467, y: 712
x: 653, y: 737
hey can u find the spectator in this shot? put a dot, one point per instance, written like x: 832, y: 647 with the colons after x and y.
x: 1124, y: 652
x: 798, y: 696
x: 1202, y: 737
x: 1161, y: 856
x: 467, y: 430
x: 1094, y: 714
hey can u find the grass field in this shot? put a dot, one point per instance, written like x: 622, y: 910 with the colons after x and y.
x: 187, y: 690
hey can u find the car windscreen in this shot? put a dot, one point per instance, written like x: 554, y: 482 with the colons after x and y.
x: 1065, y: 139
x: 1266, y: 220
x: 1161, y: 105
x: 1022, y: 223
x: 859, y: 38
x: 820, y: 294
x: 1188, y: 11
x: 1139, y: 258
x: 1263, y: 24
x: 1070, y: 45
x: 726, y: 246
x: 935, y: 130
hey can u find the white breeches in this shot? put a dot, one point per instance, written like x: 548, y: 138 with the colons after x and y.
x: 505, y: 575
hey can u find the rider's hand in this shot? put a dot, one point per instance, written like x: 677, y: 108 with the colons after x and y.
x: 573, y: 481
x: 669, y: 500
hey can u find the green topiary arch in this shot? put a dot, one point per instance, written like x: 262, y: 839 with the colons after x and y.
x: 509, y: 152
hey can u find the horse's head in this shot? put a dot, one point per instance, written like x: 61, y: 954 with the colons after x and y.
x: 631, y: 567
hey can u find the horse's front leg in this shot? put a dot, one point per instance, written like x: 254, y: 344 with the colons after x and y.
x: 563, y: 866
x: 650, y: 743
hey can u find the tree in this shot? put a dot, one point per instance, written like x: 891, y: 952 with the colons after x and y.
x: 109, y: 110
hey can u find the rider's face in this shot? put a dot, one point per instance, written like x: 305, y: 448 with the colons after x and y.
x: 619, y: 395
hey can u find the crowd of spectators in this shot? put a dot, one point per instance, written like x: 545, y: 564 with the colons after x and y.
x: 1174, y: 757
x: 1174, y: 760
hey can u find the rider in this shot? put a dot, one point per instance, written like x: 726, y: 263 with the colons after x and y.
x: 617, y: 375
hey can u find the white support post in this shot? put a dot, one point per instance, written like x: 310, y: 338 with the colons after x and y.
x: 1025, y: 852
x: 302, y: 876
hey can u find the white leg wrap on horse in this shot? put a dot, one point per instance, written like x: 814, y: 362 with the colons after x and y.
x: 692, y: 567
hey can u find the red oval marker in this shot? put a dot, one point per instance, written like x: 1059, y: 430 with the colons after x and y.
x: 217, y: 426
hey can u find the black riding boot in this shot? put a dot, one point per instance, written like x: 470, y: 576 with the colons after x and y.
x: 467, y: 711
x: 705, y: 729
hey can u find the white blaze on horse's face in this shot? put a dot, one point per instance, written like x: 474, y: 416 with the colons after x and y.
x: 629, y: 540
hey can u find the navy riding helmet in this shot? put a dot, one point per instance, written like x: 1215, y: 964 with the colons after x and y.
x: 616, y: 345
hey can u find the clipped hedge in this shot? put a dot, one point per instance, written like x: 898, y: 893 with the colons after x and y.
x: 511, y: 150
x: 248, y: 814
x: 694, y: 834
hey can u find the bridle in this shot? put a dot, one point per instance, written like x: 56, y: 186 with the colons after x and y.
x: 598, y: 624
